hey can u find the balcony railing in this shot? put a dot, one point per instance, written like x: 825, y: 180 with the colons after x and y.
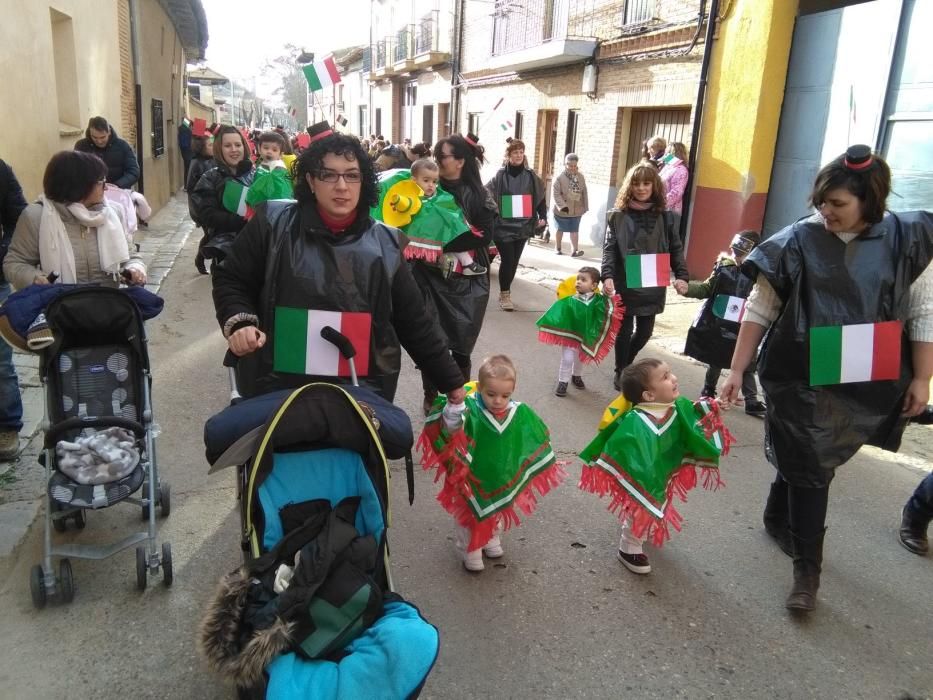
x: 403, y: 43
x: 426, y: 35
x: 380, y: 54
x: 368, y: 59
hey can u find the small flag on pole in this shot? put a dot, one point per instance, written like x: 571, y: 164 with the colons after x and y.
x: 321, y: 74
x: 497, y: 104
x: 515, y: 206
x: 506, y: 125
x: 299, y: 348
x: 342, y: 120
x: 865, y: 352
x: 652, y: 270
x: 729, y: 308
x: 234, y: 199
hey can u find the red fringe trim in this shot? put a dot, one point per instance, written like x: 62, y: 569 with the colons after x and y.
x: 618, y: 313
x: 644, y: 523
x: 418, y: 253
x: 712, y: 422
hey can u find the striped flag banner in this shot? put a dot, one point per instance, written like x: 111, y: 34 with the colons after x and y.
x: 506, y: 125
x: 321, y: 74
x: 515, y: 206
x: 652, y: 270
x: 729, y: 308
x: 865, y: 352
x: 342, y: 120
x: 299, y: 348
x: 234, y: 199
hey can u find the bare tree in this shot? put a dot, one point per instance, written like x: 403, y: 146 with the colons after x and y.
x: 293, y: 88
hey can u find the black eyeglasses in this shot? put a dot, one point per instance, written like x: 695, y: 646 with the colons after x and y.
x: 331, y: 176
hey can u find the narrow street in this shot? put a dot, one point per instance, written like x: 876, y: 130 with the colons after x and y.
x: 558, y: 617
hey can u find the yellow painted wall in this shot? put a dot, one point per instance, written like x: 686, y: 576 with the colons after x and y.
x: 31, y: 131
x: 744, y: 95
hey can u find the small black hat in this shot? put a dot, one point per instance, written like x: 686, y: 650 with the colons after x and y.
x: 744, y: 242
x: 319, y: 131
x: 858, y: 157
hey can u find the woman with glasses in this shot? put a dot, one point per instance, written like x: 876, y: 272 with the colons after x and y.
x: 72, y: 234
x: 212, y: 204
x: 323, y: 261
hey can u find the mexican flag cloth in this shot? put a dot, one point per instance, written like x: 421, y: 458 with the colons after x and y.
x: 493, y: 465
x: 590, y: 324
x: 429, y: 223
x: 270, y: 182
x: 234, y: 199
x: 643, y: 462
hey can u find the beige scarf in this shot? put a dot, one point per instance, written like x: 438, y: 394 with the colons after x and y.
x: 55, y: 251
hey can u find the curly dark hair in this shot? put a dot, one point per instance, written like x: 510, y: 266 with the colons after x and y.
x: 71, y: 175
x: 311, y: 161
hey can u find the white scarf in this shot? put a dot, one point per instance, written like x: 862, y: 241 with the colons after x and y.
x: 55, y: 251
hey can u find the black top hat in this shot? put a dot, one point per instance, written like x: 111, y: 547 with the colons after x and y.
x: 319, y: 131
x: 858, y: 157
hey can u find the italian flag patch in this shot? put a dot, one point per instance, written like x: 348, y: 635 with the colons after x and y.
x: 234, y: 199
x: 300, y: 349
x: 865, y: 352
x: 729, y: 308
x: 515, y: 206
x: 647, y: 270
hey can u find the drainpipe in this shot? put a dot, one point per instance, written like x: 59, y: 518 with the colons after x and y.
x: 456, y: 51
x: 137, y: 88
x: 698, y: 110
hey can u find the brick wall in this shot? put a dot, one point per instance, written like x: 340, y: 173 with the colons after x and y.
x: 127, y: 84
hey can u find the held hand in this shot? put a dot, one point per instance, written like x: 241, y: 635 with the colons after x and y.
x: 729, y: 394
x: 609, y: 287
x: 456, y: 396
x: 246, y: 340
x: 134, y: 276
x: 40, y: 279
x: 680, y: 287
x: 917, y: 398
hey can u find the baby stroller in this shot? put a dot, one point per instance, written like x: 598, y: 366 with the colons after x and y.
x: 96, y: 376
x: 319, y: 443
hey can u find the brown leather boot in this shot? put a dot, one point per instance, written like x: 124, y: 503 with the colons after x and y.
x: 808, y: 561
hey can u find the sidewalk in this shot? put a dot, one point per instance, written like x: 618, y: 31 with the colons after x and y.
x: 22, y: 480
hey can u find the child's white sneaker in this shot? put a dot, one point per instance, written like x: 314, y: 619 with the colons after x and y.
x: 493, y: 548
x: 473, y: 560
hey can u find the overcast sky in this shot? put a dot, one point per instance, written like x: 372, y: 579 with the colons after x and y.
x: 239, y: 44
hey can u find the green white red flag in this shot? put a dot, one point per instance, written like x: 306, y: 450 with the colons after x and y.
x: 864, y: 352
x: 321, y: 74
x: 729, y: 308
x: 515, y: 206
x: 299, y: 348
x: 652, y: 270
x: 234, y: 199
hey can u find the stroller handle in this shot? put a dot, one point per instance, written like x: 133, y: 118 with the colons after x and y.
x: 79, y: 423
x: 340, y: 340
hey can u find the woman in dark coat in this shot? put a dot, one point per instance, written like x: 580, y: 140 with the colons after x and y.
x: 849, y: 354
x: 458, y: 302
x: 206, y: 202
x: 519, y: 193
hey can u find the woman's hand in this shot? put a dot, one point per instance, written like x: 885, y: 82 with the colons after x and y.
x: 134, y: 276
x: 455, y: 396
x: 729, y: 394
x: 609, y: 287
x: 917, y: 397
x: 245, y: 340
x: 40, y: 279
x: 680, y: 287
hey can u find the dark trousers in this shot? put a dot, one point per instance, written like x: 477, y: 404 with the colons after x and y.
x: 806, y: 509
x: 920, y: 505
x: 633, y: 336
x: 509, y: 253
x: 749, y: 387
x: 463, y: 362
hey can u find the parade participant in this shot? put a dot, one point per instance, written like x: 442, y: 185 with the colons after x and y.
x: 185, y: 147
x: 71, y: 233
x: 202, y: 160
x: 457, y: 303
x: 916, y: 517
x: 584, y: 324
x: 519, y: 193
x: 640, y: 251
x: 835, y: 291
x: 650, y: 453
x: 711, y: 338
x: 568, y: 193
x: 323, y: 261
x: 493, y: 453
x: 101, y: 140
x: 272, y: 179
x: 217, y: 203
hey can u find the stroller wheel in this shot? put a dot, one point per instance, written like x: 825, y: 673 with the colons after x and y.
x: 141, y: 565
x: 66, y: 580
x: 167, y: 573
x: 37, y: 586
x: 80, y: 519
x: 165, y: 499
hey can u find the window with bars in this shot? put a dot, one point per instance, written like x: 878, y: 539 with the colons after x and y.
x: 637, y: 11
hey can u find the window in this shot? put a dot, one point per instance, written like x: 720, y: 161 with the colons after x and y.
x: 66, y: 75
x: 637, y: 11
x: 427, y: 124
x: 364, y: 121
x: 378, y: 128
x: 473, y: 123
x: 443, y: 119
x: 573, y: 119
x: 519, y: 124
x: 158, y: 129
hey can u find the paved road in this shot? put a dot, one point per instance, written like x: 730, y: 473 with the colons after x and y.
x: 559, y: 617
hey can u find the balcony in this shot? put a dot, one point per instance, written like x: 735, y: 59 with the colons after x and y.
x: 429, y: 50
x: 381, y: 59
x: 541, y: 33
x: 404, y: 49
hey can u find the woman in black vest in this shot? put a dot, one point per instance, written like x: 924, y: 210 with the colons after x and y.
x: 519, y: 194
x: 832, y: 387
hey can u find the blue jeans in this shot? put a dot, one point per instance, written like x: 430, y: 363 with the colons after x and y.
x: 920, y: 504
x: 11, y: 403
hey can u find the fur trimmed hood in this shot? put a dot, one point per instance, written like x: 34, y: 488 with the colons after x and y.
x: 218, y: 635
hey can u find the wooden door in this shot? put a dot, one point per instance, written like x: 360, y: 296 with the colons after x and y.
x: 546, y: 147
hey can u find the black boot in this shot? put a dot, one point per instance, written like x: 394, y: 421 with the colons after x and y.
x: 913, y: 532
x: 617, y: 380
x: 775, y: 516
x: 199, y: 263
x: 808, y: 561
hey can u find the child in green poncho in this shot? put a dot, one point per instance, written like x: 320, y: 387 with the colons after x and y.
x: 651, y: 453
x: 272, y: 179
x: 493, y: 453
